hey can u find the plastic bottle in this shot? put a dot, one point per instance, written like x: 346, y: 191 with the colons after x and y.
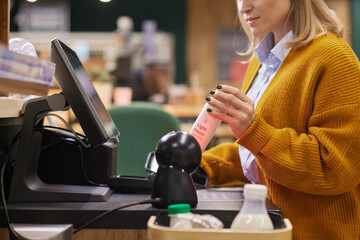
x: 180, y: 216
x: 23, y: 46
x: 253, y: 214
x: 204, y: 127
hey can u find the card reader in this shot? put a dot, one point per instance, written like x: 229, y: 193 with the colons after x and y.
x: 131, y: 184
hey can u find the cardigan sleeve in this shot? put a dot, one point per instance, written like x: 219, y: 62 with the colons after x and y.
x: 222, y: 165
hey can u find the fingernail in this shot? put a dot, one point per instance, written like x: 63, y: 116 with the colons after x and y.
x: 219, y: 87
x: 212, y: 92
x: 209, y: 110
x: 207, y: 99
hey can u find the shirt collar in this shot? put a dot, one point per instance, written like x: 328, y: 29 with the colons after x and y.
x: 266, y: 46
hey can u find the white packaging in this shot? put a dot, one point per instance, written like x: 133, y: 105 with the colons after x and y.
x: 181, y: 221
x: 181, y: 217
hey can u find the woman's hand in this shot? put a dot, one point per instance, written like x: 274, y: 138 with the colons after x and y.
x: 235, y: 107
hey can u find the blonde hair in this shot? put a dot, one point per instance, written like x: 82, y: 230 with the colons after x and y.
x: 308, y: 19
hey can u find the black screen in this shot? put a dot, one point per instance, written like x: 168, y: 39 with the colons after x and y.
x: 81, y: 95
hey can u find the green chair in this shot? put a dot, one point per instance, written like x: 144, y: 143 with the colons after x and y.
x: 141, y: 127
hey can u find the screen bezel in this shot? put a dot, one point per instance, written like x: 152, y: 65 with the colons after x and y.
x: 95, y: 121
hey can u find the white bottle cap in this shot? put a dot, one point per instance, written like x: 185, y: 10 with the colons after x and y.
x: 255, y: 190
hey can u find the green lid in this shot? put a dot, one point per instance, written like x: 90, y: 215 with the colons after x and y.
x: 178, y: 208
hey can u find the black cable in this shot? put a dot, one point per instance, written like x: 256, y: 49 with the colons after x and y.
x: 64, y: 129
x: 52, y: 135
x: 87, y: 145
x: 5, y: 163
x: 83, y: 171
x: 13, y: 142
x: 157, y: 200
x: 16, y: 138
x: 60, y: 139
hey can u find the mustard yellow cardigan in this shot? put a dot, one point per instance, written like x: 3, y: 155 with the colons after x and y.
x: 306, y: 140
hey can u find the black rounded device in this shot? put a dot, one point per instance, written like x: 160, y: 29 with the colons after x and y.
x: 178, y: 155
x: 179, y: 149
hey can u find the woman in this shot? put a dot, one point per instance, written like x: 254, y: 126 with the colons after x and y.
x: 296, y: 118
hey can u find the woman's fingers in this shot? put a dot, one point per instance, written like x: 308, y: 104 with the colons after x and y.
x: 233, y: 107
x: 230, y: 100
x: 233, y: 91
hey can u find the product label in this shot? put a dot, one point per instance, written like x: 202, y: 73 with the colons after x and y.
x: 204, y: 128
x: 200, y: 130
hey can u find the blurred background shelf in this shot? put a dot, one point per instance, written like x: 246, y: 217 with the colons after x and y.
x: 8, y: 85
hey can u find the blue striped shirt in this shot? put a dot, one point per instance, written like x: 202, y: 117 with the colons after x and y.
x: 270, y: 57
